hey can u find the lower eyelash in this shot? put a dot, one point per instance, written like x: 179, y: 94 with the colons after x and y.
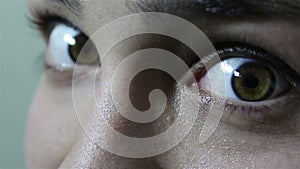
x: 249, y: 113
x: 270, y: 117
x: 267, y: 112
x: 232, y: 107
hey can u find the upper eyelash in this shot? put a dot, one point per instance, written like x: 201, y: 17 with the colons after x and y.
x: 236, y: 49
x: 261, y: 55
x: 44, y: 20
x: 40, y: 18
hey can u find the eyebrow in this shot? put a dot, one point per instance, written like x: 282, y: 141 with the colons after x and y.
x: 231, y: 8
x: 75, y: 6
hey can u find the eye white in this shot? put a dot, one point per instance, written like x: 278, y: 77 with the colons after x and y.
x: 227, y: 68
x: 57, y: 53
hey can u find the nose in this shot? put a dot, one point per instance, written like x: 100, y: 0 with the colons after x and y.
x: 89, y: 150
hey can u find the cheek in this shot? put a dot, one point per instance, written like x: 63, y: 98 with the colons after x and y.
x: 53, y: 129
x: 52, y: 126
x: 233, y: 148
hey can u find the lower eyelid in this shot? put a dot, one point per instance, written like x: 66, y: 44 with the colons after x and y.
x: 60, y: 78
x: 67, y: 77
x: 264, y: 117
x: 284, y: 109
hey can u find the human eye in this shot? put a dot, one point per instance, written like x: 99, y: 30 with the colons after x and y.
x: 259, y: 87
x: 65, y: 43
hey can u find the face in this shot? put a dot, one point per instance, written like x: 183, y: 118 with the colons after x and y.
x: 258, y: 45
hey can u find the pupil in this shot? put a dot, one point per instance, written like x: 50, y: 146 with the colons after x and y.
x: 251, y: 81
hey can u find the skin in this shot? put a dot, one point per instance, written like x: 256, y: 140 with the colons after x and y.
x: 55, y: 138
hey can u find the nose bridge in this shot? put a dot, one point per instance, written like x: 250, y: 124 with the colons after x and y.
x: 88, y: 151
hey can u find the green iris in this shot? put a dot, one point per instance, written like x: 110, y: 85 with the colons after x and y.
x: 89, y: 54
x: 253, y: 82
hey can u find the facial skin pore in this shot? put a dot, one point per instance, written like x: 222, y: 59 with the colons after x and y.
x: 55, y: 138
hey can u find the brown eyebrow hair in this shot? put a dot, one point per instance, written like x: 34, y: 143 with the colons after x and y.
x: 231, y: 8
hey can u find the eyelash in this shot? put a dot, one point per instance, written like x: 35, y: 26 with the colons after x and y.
x: 263, y: 112
x: 253, y: 111
x: 239, y: 48
x: 45, y: 21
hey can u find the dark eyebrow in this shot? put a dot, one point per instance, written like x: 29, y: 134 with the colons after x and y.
x: 231, y: 8
x: 74, y: 6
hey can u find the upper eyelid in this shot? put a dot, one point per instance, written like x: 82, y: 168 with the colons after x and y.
x: 45, y: 18
x: 233, y: 47
x: 277, y: 40
x: 277, y: 36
